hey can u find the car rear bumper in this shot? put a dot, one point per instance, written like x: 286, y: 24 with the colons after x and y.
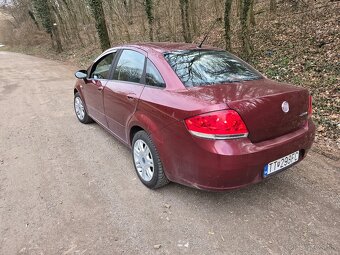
x: 226, y: 164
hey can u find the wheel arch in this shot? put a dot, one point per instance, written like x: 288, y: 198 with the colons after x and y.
x: 76, y: 90
x: 133, y: 130
x: 142, y: 121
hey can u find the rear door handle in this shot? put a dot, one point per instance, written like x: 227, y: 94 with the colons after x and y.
x: 131, y: 97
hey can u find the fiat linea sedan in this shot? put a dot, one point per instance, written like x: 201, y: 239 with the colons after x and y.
x: 197, y: 116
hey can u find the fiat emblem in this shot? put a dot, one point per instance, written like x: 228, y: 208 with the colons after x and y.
x: 285, y: 106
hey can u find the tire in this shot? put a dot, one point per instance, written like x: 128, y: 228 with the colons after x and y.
x: 153, y: 177
x: 80, y: 110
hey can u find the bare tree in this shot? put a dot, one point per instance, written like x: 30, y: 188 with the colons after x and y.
x: 251, y: 14
x: 194, y: 18
x: 43, y: 10
x: 72, y: 19
x: 150, y: 16
x: 184, y: 5
x: 227, y: 35
x: 98, y: 13
x: 245, y: 21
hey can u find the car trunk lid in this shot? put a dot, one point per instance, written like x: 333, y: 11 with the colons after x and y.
x: 260, y: 105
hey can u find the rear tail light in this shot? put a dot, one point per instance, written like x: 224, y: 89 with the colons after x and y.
x: 226, y: 124
x: 310, y: 108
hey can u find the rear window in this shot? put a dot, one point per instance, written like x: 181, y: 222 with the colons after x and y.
x: 207, y: 67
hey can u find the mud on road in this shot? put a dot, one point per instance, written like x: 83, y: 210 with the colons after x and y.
x: 68, y: 188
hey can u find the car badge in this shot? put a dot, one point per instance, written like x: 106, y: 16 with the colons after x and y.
x: 285, y: 106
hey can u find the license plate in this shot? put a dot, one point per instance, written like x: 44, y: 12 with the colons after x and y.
x: 280, y: 163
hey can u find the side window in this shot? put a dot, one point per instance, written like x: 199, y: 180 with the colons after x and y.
x: 152, y: 76
x: 130, y: 66
x: 101, y: 69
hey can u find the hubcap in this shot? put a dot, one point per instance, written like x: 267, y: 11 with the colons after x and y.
x: 79, y: 108
x: 143, y: 160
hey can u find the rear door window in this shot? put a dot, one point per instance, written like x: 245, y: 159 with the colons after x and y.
x: 152, y: 76
x: 130, y: 66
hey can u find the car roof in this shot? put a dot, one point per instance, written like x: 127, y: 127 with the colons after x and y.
x: 164, y: 46
x: 157, y: 47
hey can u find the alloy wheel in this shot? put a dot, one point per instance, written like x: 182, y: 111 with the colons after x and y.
x: 79, y: 108
x: 143, y: 160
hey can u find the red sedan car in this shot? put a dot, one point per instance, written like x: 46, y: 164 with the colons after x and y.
x: 197, y: 116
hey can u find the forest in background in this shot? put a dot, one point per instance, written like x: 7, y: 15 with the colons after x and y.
x: 295, y: 41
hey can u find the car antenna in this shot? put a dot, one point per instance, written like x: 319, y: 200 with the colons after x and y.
x: 210, y: 28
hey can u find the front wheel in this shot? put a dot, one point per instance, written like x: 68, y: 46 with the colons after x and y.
x: 80, y: 110
x: 147, y: 163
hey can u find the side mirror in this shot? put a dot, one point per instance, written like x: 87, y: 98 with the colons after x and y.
x: 81, y: 74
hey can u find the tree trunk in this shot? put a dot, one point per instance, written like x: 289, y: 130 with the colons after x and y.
x: 184, y: 6
x: 149, y: 15
x: 43, y: 10
x: 193, y: 16
x: 238, y: 7
x: 31, y: 14
x: 74, y: 21
x: 98, y: 13
x: 62, y: 26
x: 227, y: 35
x: 245, y: 37
x: 55, y: 33
x: 251, y: 13
x: 128, y: 8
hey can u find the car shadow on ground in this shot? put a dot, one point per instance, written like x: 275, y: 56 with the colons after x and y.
x: 281, y: 189
x: 278, y: 191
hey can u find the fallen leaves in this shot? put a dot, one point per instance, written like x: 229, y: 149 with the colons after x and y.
x: 304, y: 51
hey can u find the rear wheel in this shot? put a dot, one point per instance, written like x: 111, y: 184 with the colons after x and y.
x: 147, y: 163
x: 80, y: 110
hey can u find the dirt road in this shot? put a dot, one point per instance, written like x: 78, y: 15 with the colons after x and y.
x: 68, y: 188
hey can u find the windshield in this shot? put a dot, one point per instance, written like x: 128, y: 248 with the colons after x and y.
x: 206, y: 67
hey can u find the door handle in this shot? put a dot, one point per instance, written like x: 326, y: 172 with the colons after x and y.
x: 100, y: 88
x: 131, y: 96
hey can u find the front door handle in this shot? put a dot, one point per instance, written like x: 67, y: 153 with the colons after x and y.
x: 100, y: 88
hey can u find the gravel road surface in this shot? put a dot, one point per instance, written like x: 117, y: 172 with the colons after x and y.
x: 69, y: 188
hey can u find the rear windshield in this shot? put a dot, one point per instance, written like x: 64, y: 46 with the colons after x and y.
x: 206, y: 67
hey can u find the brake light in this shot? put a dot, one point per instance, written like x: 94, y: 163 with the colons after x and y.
x: 310, y: 108
x: 226, y: 124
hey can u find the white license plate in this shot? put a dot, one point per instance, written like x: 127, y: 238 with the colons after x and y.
x: 280, y: 163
